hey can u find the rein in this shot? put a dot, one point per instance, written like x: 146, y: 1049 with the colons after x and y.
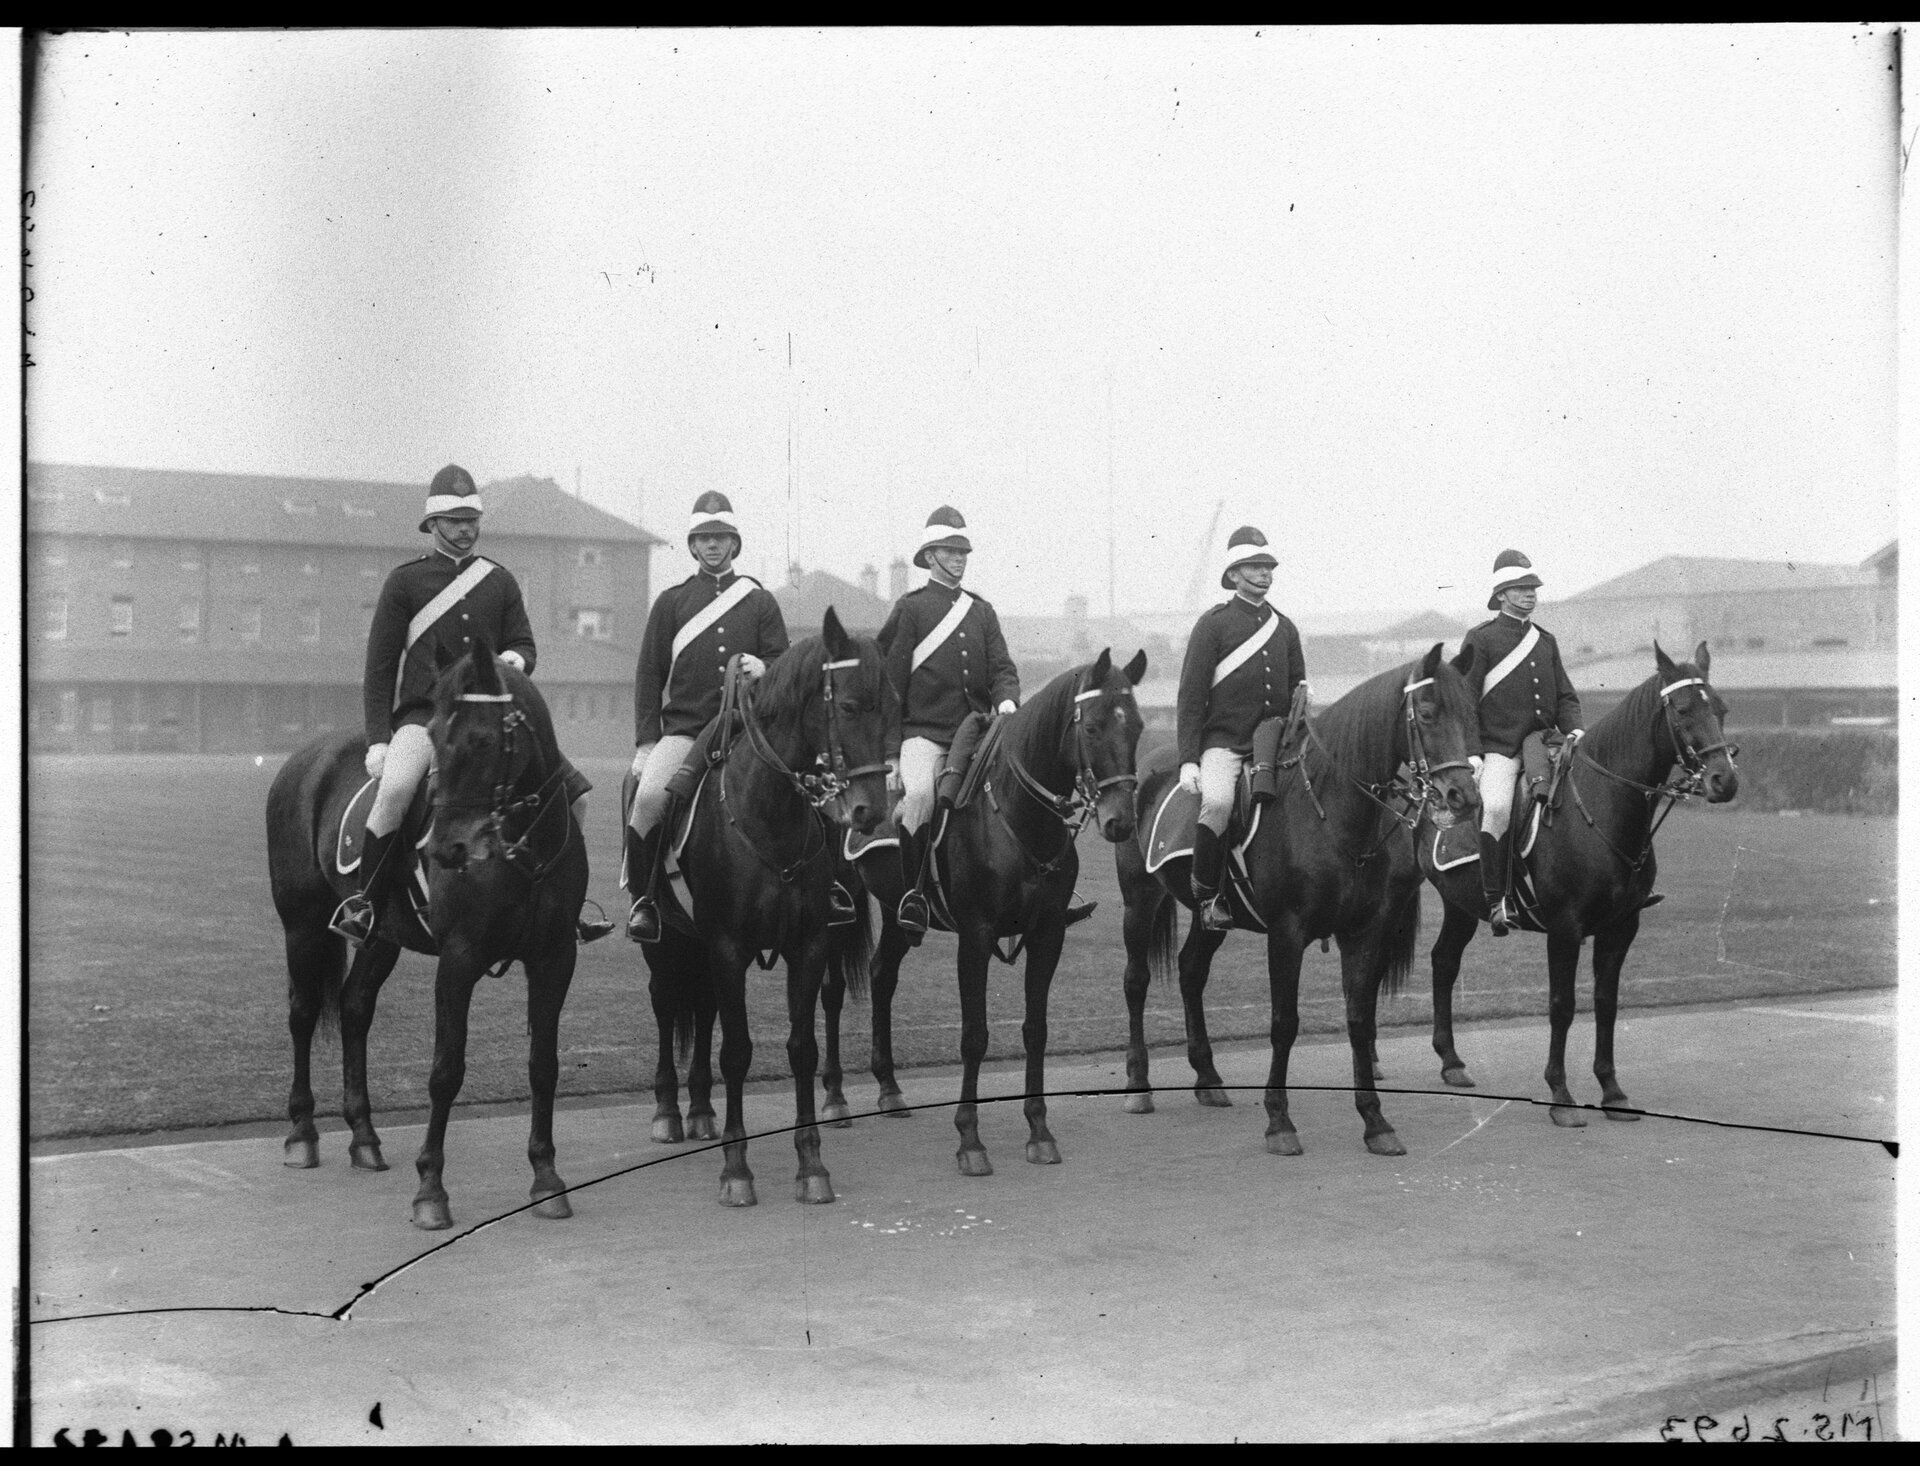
x: 503, y: 803
x: 1072, y: 809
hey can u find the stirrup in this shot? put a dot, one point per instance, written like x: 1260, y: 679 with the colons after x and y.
x: 592, y: 928
x: 840, y: 907
x: 643, y: 921
x: 1080, y: 911
x: 1215, y: 914
x: 355, y: 919
x: 1500, y: 918
x: 913, y: 916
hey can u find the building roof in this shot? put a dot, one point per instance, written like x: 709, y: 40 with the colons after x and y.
x: 1839, y: 671
x: 1425, y: 626
x: 1064, y: 635
x: 1885, y: 560
x: 804, y: 604
x: 150, y: 503
x: 561, y: 659
x: 1703, y: 575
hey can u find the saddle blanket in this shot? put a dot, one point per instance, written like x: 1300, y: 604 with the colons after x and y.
x: 1171, y: 832
x: 352, y: 840
x: 1459, y: 844
x: 885, y: 836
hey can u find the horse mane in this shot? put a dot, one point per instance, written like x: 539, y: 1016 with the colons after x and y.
x: 1359, y: 729
x: 1034, y: 736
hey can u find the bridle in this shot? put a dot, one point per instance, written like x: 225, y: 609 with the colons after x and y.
x: 1074, y: 808
x: 504, y: 803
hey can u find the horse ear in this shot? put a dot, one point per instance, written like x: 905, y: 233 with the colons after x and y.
x: 1463, y: 662
x: 486, y: 672
x: 834, y: 634
x: 1102, y: 665
x: 1702, y: 658
x: 1665, y: 663
x: 1137, y: 668
x: 1431, y: 662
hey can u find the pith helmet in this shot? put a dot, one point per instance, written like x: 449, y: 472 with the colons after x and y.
x: 451, y: 494
x: 1511, y: 570
x: 713, y: 514
x: 1245, y: 546
x: 945, y: 530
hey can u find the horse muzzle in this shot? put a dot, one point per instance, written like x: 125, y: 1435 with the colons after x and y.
x: 1720, y: 781
x: 1116, y: 815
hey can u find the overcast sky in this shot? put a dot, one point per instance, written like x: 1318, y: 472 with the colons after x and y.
x: 1399, y: 298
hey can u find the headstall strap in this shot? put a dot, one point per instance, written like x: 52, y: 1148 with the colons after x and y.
x: 486, y: 697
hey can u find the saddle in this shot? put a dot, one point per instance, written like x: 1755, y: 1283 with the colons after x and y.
x: 1169, y: 835
x: 415, y: 829
x: 676, y: 901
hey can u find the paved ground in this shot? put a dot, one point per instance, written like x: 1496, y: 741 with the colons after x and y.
x: 1170, y: 1280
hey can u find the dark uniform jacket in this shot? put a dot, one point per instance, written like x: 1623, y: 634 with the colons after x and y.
x: 492, y: 607
x: 1534, y: 695
x: 1260, y: 687
x: 970, y: 672
x: 682, y: 696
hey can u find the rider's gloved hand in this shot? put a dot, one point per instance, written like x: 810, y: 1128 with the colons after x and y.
x: 1475, y: 761
x: 1006, y: 706
x: 640, y: 758
x: 1575, y: 736
x: 895, y: 786
x: 515, y: 660
x: 376, y: 759
x: 752, y: 666
x: 1190, y: 778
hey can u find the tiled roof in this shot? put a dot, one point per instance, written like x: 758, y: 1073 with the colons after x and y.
x: 1701, y: 575
x: 149, y: 503
x: 1754, y: 671
x: 804, y: 606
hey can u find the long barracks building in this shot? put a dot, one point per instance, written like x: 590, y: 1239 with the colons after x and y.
x: 203, y: 612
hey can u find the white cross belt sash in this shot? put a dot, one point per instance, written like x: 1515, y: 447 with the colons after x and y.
x: 732, y: 596
x: 1511, y: 661
x: 937, y: 638
x: 423, y: 620
x: 1234, y: 660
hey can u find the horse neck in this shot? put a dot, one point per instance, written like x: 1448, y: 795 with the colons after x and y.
x: 1340, y: 785
x: 767, y: 789
x: 1634, y: 742
x: 1043, y: 749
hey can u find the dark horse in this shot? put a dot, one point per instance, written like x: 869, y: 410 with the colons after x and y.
x: 1007, y: 867
x: 1319, y: 866
x: 508, y: 873
x: 1592, y: 864
x: 759, y: 859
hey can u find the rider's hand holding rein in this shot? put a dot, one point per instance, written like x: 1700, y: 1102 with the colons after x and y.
x: 515, y: 660
x: 1190, y: 778
x: 1005, y: 707
x: 752, y: 667
x: 376, y: 759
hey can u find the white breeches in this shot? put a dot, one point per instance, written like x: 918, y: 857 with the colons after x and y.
x: 921, y: 764
x: 409, y: 756
x: 1219, y: 773
x: 1497, y: 776
x: 650, y: 797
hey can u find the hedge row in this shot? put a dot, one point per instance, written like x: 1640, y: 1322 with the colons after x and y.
x: 1831, y: 770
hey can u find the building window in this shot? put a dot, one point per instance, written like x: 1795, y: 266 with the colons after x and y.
x: 357, y: 511
x: 122, y: 613
x: 105, y: 496
x: 53, y: 555
x: 294, y: 506
x: 123, y: 557
x: 69, y: 711
x: 366, y: 617
x: 189, y: 557
x: 248, y: 622
x: 593, y: 623
x: 573, y: 708
x: 1829, y: 641
x: 189, y: 620
x: 102, y: 721
x: 310, y: 621
x: 589, y: 556
x: 53, y: 624
x: 369, y: 572
x: 308, y: 568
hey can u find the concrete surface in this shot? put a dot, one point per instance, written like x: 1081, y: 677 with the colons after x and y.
x: 1171, y: 1280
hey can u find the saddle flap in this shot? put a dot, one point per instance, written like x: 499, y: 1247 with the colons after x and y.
x: 1170, y: 833
x: 1454, y: 845
x: 885, y: 836
x: 351, y: 842
x: 972, y: 750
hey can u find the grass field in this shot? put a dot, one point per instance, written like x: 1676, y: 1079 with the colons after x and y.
x: 157, y: 989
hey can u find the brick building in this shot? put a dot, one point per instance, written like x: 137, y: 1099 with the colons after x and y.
x: 199, y: 612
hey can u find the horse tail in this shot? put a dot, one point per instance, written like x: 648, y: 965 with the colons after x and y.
x: 1395, y: 939
x: 1163, y: 939
x: 850, y: 947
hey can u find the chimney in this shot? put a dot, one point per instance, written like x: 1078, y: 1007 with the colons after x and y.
x: 1076, y: 608
x: 870, y: 581
x: 897, y: 578
x: 794, y: 572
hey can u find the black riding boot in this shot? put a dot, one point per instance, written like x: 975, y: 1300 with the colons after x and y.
x: 1493, y: 882
x: 1208, y: 903
x: 643, y: 873
x: 358, y: 917
x: 913, y: 916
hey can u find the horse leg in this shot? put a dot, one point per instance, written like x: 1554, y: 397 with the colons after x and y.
x: 667, y: 1129
x: 1196, y: 961
x: 314, y: 958
x: 1563, y: 961
x: 805, y: 968
x: 974, y: 945
x: 883, y: 979
x: 1360, y: 981
x: 701, y: 1123
x: 1609, y: 955
x: 1043, y: 956
x: 453, y: 988
x: 371, y: 965
x: 1143, y: 898
x: 1284, y: 950
x: 548, y: 979
x: 1457, y: 928
x: 728, y: 970
x: 833, y: 1099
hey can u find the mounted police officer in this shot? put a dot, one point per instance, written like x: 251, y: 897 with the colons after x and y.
x: 694, y: 628
x: 429, y: 611
x: 1522, y: 687
x: 1243, y: 662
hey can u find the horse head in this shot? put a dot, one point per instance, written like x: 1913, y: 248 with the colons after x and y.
x: 1443, y: 729
x: 1694, y: 716
x: 1101, y: 737
x: 848, y: 725
x: 481, y: 750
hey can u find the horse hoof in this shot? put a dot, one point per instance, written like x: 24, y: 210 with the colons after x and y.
x: 366, y: 1157
x: 1284, y: 1142
x: 1617, y: 1112
x: 667, y: 1131
x: 814, y: 1190
x: 1385, y: 1143
x: 1043, y: 1153
x: 894, y: 1103
x: 1379, y: 1073
x: 554, y: 1206
x: 737, y: 1191
x: 302, y: 1155
x: 1139, y: 1102
x: 432, y: 1215
x: 1457, y: 1078
x: 701, y: 1127
x: 836, y: 1114
x: 974, y: 1162
x: 1214, y: 1099
x: 1567, y: 1118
